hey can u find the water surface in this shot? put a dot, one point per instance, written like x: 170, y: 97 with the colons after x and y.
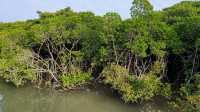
x: 30, y: 99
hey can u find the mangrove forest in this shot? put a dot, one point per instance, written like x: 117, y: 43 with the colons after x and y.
x: 152, y: 54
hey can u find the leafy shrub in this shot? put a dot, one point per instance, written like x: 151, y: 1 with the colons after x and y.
x: 145, y: 87
x: 115, y: 75
x: 190, y: 104
x: 74, y: 80
x: 75, y: 77
x: 190, y: 96
x: 133, y: 88
x: 14, y: 63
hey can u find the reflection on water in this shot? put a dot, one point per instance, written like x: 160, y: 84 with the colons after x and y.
x: 29, y: 99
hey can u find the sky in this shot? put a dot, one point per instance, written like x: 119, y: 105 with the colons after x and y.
x: 17, y: 10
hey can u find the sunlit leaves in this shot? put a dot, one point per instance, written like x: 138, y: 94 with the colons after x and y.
x: 141, y: 8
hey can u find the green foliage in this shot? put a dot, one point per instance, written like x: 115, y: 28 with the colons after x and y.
x: 141, y: 8
x: 190, y: 95
x: 132, y: 88
x: 15, y: 61
x: 184, y: 9
x: 116, y: 75
x: 144, y: 88
x: 155, y: 52
x: 139, y: 46
x: 74, y: 80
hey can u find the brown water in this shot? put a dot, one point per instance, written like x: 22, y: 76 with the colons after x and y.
x: 29, y: 99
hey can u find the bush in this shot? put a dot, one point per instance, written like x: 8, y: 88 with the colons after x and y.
x: 74, y: 80
x: 190, y: 96
x: 14, y: 63
x: 75, y: 77
x: 144, y: 88
x: 190, y: 104
x: 133, y: 88
x: 115, y: 75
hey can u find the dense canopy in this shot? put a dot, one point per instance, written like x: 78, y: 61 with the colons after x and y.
x: 153, y: 53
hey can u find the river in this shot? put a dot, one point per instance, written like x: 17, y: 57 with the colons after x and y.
x: 30, y: 99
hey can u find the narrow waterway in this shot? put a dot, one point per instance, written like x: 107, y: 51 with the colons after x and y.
x: 29, y: 99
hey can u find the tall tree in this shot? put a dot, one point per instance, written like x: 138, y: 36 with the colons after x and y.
x: 140, y: 8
